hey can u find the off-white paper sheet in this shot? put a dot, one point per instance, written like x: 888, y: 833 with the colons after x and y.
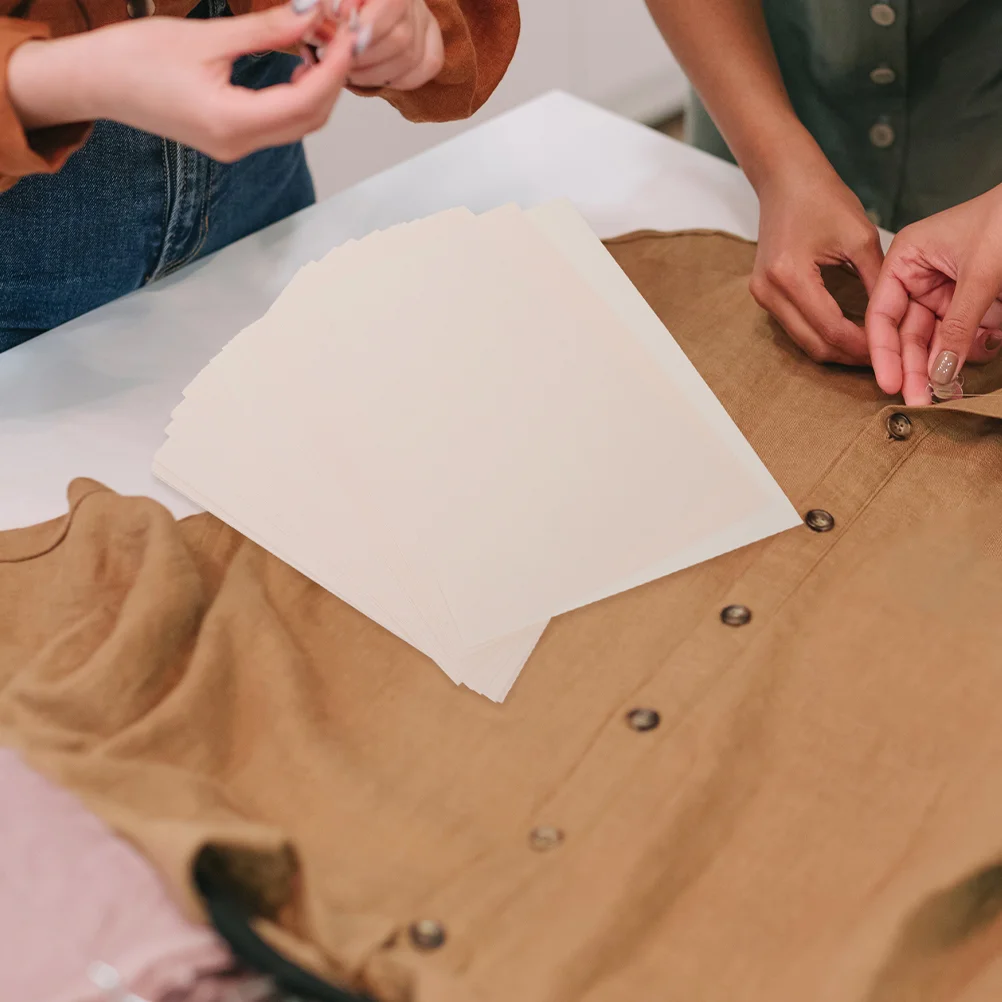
x: 465, y: 425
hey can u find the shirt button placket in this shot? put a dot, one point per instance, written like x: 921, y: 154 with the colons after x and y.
x: 888, y: 37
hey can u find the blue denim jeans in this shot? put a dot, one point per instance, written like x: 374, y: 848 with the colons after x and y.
x: 129, y: 208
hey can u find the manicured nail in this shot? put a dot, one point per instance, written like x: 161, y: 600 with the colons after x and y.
x: 362, y: 39
x: 993, y: 341
x: 303, y: 6
x: 945, y: 368
x: 353, y: 22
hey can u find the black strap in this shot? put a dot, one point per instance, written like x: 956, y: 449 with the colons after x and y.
x: 232, y: 922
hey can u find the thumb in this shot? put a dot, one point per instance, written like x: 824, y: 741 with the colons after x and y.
x: 976, y: 291
x: 277, y: 28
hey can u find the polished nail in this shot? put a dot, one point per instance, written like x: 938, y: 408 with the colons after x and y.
x: 362, y: 39
x: 945, y: 368
x: 303, y: 6
x: 993, y: 340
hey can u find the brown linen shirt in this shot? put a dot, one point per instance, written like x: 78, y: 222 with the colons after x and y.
x: 816, y: 816
x: 479, y: 37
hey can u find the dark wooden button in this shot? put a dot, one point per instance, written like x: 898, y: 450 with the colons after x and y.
x: 819, y: 520
x: 141, y: 8
x: 899, y: 427
x: 643, y: 719
x: 735, y: 615
x: 427, y: 934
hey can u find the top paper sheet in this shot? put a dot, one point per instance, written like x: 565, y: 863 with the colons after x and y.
x: 491, y: 406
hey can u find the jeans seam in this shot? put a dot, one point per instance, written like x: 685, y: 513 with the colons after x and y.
x: 203, y: 229
x: 165, y: 215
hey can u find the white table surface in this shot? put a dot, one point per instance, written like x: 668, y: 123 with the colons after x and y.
x: 93, y: 397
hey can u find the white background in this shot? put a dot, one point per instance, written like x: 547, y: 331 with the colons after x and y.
x: 607, y: 51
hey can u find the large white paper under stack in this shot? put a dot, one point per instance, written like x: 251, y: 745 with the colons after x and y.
x: 465, y: 425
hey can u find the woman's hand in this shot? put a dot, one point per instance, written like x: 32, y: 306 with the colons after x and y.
x: 403, y: 43
x: 935, y: 304
x: 171, y: 77
x: 810, y: 218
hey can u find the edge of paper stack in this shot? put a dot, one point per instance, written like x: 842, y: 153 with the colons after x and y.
x: 463, y: 426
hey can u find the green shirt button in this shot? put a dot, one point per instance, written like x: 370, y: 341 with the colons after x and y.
x: 883, y: 14
x: 881, y: 135
x: 883, y: 75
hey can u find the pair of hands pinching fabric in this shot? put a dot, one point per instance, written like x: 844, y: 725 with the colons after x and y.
x: 933, y: 299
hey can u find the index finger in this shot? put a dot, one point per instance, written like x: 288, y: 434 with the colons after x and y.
x: 887, y: 308
x: 818, y: 307
x: 283, y: 112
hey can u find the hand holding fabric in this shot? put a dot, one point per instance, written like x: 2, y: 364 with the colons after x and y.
x: 809, y: 218
x: 935, y: 305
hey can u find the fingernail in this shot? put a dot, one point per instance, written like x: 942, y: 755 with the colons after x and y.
x: 945, y: 368
x: 362, y: 39
x: 335, y: 7
x: 353, y: 21
x: 303, y: 6
x: 993, y: 341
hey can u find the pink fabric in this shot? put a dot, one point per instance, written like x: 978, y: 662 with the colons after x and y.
x: 72, y: 893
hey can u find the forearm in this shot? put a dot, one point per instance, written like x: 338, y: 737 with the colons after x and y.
x: 724, y: 47
x: 31, y: 143
x: 48, y: 82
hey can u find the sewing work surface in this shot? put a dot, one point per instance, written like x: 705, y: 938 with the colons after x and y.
x: 92, y: 397
x: 475, y: 423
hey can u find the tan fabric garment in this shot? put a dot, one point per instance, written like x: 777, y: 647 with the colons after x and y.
x: 817, y: 817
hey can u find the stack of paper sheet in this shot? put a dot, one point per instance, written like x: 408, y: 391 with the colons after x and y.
x: 463, y: 426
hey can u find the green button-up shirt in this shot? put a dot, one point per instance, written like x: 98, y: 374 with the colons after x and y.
x: 903, y: 96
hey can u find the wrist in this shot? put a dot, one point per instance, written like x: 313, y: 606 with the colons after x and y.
x: 48, y: 82
x: 787, y: 154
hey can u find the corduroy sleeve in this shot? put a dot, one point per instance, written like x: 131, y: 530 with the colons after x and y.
x: 41, y: 151
x: 480, y: 38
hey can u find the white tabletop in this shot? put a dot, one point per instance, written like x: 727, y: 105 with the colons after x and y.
x: 93, y: 397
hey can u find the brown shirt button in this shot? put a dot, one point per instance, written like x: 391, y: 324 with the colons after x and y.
x: 735, y: 615
x: 427, y: 934
x: 643, y: 719
x: 899, y: 427
x: 819, y: 520
x: 545, y: 837
x: 140, y: 8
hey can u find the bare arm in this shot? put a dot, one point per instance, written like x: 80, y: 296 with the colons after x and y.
x: 808, y: 216
x: 724, y: 48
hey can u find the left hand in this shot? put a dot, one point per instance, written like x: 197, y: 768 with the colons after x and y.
x: 403, y: 47
x: 935, y: 303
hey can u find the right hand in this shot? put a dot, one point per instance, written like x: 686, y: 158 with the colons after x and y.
x: 171, y: 76
x: 810, y: 218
